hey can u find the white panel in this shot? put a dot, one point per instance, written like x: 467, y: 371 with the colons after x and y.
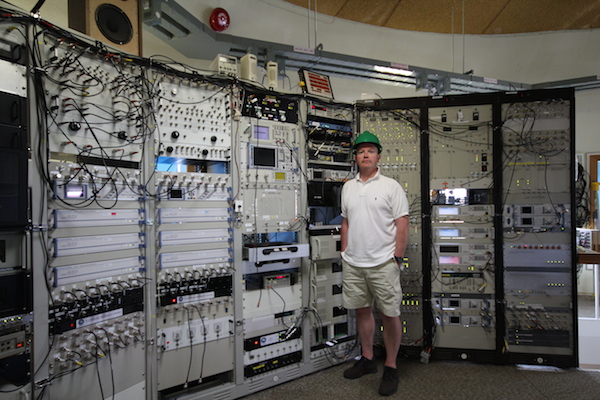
x: 99, y: 115
x: 272, y: 253
x: 267, y: 322
x: 251, y: 267
x: 274, y: 350
x: 589, y: 351
x: 258, y: 303
x: 13, y: 78
x: 173, y: 238
x: 193, y: 258
x: 96, y: 244
x: 97, y: 270
x: 181, y: 215
x: 557, y: 255
x: 200, y: 330
x: 193, y: 120
x: 325, y: 246
x: 84, y: 218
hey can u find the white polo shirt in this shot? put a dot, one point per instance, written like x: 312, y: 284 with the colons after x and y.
x: 371, y: 208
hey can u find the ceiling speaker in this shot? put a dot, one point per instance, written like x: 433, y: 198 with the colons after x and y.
x: 116, y: 23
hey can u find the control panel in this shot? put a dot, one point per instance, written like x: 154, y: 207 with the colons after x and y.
x: 192, y: 119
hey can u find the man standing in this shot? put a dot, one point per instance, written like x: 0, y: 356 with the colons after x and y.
x: 374, y: 235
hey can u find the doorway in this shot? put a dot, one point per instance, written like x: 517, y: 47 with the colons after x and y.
x: 588, y: 285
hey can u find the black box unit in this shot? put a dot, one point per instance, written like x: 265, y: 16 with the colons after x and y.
x: 13, y: 162
x: 15, y: 293
x: 327, y: 194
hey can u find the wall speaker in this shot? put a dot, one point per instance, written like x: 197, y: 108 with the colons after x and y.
x: 272, y: 75
x: 116, y: 23
x: 248, y: 67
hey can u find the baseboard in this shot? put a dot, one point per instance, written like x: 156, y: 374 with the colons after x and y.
x: 589, y: 367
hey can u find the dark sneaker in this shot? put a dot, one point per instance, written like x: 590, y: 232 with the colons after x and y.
x: 389, y: 382
x: 362, y: 367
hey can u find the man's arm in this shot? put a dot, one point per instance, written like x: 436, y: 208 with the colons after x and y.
x: 344, y: 234
x: 401, y: 235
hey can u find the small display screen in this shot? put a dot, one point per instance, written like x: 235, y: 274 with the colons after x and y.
x: 449, y: 249
x: 176, y: 193
x: 264, y: 157
x: 450, y: 260
x: 448, y: 232
x: 448, y: 211
x: 227, y: 60
x: 75, y: 191
x: 261, y: 132
x: 454, y: 303
x: 526, y: 210
x: 15, y: 294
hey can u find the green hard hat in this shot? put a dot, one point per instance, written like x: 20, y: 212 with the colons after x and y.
x: 367, y: 137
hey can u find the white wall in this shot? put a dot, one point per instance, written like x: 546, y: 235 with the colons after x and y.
x: 54, y: 11
x: 587, y: 122
x: 585, y: 280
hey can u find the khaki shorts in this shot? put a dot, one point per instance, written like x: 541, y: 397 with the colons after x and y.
x: 381, y: 283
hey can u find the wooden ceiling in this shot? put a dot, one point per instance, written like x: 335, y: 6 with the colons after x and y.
x: 485, y: 17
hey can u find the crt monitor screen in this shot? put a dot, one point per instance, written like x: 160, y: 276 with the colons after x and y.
x: 264, y: 157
